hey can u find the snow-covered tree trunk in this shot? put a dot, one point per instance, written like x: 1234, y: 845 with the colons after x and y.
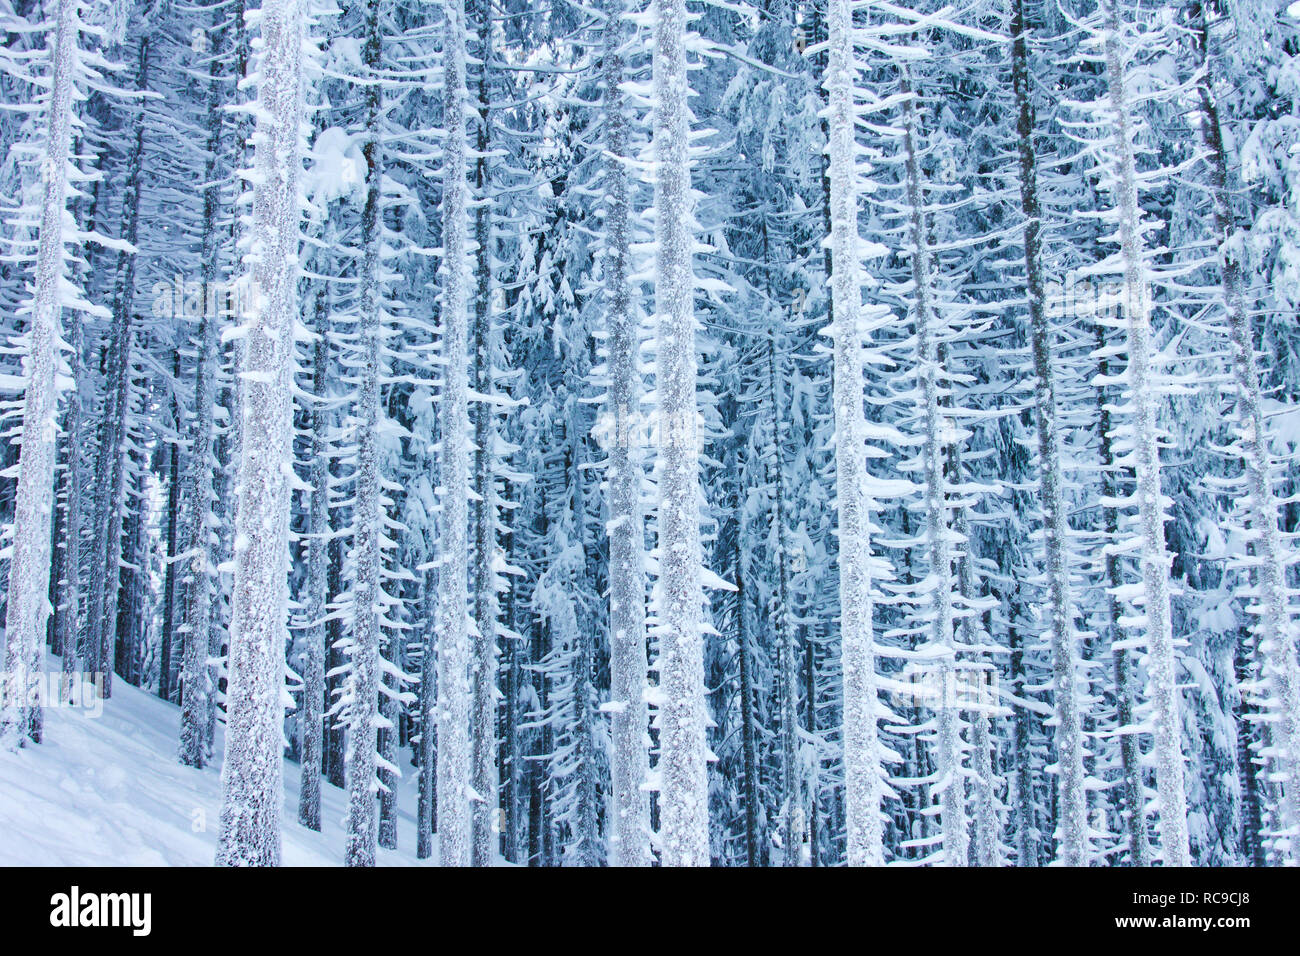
x: 1252, y: 810
x: 169, y: 651
x: 986, y: 847
x: 1132, y: 792
x: 787, y: 690
x: 390, y: 708
x: 230, y: 435
x: 111, y: 475
x: 586, y: 848
x: 71, y: 617
x: 949, y: 747
x: 512, y: 756
x: 811, y: 769
x: 863, y: 775
x: 426, y: 754
x: 630, y: 827
x: 1275, y: 633
x: 454, y: 756
x: 362, y: 695
x: 1072, y: 794
x: 748, y: 722
x: 1021, y: 790
x: 426, y: 423
x: 130, y: 627
x: 198, y: 680
x: 29, y: 569
x: 71, y: 622
x: 483, y: 723
x: 251, y: 774
x: 335, y: 749
x: 679, y: 594
x: 1162, y: 661
x: 311, y: 714
x: 197, y: 684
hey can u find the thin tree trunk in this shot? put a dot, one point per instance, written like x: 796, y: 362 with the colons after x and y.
x: 749, y: 730
x: 312, y: 717
x: 198, y: 684
x: 426, y: 822
x: 1162, y: 661
x: 1275, y: 635
x: 483, y: 724
x: 985, y: 847
x: 1073, y: 849
x: 787, y: 691
x: 111, y: 470
x: 949, y: 749
x: 172, y: 535
x: 72, y: 605
x: 1131, y: 792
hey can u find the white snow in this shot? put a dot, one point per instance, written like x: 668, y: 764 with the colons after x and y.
x: 109, y: 791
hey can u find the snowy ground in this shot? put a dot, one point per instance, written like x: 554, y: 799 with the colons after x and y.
x: 108, y: 791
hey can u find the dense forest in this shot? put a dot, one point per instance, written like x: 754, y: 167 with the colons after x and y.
x: 666, y: 432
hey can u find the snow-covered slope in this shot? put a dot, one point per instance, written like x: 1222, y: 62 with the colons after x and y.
x: 107, y: 790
